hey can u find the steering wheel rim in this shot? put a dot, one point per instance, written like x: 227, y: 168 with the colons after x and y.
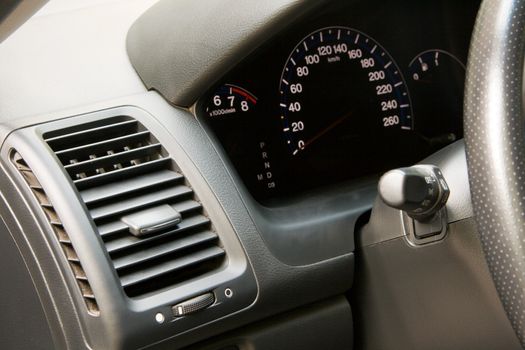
x: 495, y: 140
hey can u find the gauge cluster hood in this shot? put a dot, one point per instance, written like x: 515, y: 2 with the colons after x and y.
x: 224, y: 36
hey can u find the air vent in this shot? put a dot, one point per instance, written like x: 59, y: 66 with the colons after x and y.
x: 59, y: 231
x: 120, y: 169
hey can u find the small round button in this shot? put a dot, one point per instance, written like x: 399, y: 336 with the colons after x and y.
x: 159, y: 317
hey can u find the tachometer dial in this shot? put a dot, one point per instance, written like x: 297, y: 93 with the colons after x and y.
x: 340, y: 86
x: 235, y: 115
x: 230, y: 99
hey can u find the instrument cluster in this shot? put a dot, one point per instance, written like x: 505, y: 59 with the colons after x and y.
x: 346, y: 94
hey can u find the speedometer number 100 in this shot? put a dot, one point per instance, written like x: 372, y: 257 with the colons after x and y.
x: 339, y: 77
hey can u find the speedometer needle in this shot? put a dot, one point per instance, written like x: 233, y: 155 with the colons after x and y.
x: 327, y: 129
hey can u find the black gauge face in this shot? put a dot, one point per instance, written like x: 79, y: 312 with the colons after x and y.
x: 341, y: 88
x: 437, y: 88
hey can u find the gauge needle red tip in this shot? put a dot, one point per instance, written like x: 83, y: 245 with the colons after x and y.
x: 327, y: 129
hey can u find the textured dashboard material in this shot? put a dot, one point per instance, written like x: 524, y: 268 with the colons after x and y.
x: 435, y: 297
x: 167, y: 38
x: 495, y: 139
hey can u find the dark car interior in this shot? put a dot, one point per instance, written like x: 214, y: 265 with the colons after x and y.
x: 252, y: 175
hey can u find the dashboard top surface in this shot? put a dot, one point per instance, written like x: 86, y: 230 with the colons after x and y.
x: 59, y: 60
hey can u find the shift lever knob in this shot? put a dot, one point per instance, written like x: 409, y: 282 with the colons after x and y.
x: 420, y: 190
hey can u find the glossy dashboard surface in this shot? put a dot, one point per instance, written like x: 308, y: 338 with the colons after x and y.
x: 344, y: 94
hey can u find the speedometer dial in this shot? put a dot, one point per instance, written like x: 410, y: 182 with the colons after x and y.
x: 338, y: 78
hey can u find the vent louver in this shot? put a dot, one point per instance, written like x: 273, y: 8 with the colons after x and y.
x: 58, y: 229
x: 120, y: 169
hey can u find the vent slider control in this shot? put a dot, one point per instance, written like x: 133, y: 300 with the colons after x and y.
x: 193, y: 305
x: 151, y: 220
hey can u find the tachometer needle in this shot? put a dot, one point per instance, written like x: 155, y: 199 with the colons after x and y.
x: 327, y: 129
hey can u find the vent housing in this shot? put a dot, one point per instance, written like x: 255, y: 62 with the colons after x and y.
x: 119, y: 168
x: 60, y: 233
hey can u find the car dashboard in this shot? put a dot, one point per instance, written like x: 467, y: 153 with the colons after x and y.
x: 203, y: 175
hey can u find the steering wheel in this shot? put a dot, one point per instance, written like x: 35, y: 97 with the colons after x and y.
x: 495, y: 140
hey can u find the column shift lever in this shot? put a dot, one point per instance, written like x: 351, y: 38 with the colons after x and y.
x: 420, y: 190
